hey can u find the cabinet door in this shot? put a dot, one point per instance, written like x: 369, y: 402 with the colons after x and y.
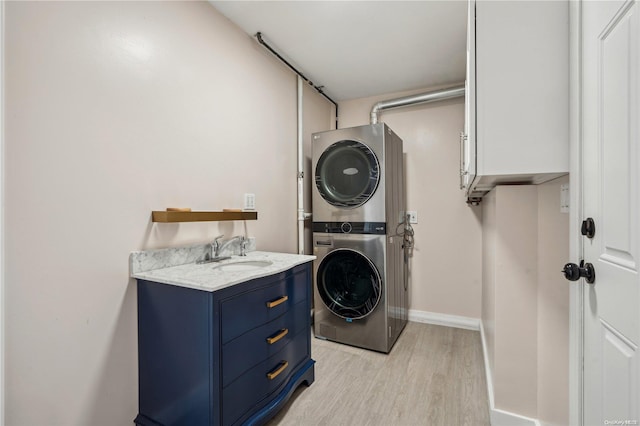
x: 516, y: 106
x: 468, y: 138
x: 522, y: 90
x: 175, y: 350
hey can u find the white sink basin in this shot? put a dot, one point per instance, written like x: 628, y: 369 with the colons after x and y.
x: 243, y: 265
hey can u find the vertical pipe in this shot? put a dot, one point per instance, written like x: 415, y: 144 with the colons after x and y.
x: 300, y: 171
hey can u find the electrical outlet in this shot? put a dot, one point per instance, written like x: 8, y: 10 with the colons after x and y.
x: 249, y: 201
x: 413, y: 217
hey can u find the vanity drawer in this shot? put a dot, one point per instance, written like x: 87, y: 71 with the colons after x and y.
x: 247, y: 350
x: 251, y: 309
x: 254, y: 385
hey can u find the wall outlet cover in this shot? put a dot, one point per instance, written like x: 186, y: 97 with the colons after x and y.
x: 413, y: 217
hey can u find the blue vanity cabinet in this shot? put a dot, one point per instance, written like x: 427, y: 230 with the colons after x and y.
x: 228, y: 357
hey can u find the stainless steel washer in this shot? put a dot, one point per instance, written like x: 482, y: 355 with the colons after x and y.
x: 360, y: 292
x: 360, y: 287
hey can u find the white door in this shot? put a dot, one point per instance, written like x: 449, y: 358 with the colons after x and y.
x: 611, y: 196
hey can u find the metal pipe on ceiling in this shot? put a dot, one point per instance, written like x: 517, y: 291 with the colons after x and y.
x: 258, y: 36
x: 421, y: 98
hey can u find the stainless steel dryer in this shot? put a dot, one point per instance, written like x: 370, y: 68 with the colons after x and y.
x: 358, y: 175
x: 360, y: 292
x: 360, y: 287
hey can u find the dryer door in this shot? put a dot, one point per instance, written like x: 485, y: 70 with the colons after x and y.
x: 349, y: 284
x: 347, y: 174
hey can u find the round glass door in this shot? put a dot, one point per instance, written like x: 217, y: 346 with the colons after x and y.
x: 347, y: 174
x: 349, y: 284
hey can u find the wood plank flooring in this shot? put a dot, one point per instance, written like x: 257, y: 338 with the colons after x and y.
x: 433, y: 376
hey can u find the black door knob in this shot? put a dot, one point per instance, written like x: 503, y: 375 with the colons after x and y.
x: 573, y: 272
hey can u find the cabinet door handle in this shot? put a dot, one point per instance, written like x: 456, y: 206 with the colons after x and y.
x: 463, y: 173
x: 276, y: 302
x: 272, y: 339
x: 279, y: 369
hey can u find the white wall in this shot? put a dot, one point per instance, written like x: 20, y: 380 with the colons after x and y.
x: 553, y: 306
x: 510, y: 295
x: 2, y: 232
x: 446, y: 269
x: 115, y: 109
x: 525, y: 308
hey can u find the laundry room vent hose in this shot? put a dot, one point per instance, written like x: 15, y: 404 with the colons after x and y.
x: 421, y: 98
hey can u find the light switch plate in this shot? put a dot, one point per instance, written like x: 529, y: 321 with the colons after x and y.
x: 564, y: 198
x: 249, y: 201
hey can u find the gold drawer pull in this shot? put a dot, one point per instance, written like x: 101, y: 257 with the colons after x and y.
x: 276, y: 302
x: 272, y: 339
x: 275, y: 373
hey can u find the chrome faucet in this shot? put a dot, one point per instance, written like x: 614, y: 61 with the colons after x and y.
x: 215, y: 246
x: 211, y: 255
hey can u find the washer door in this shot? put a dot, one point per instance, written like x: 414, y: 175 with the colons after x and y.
x: 347, y: 174
x: 349, y: 284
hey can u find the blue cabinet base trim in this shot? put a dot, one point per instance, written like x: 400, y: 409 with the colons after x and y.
x: 306, y: 375
x: 143, y: 420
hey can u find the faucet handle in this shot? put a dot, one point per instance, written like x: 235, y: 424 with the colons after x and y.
x: 243, y: 245
x: 215, y: 245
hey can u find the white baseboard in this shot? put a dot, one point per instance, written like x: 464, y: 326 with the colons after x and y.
x: 505, y: 418
x: 500, y: 417
x: 444, y: 319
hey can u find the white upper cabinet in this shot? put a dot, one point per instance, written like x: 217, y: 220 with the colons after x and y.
x: 517, y: 100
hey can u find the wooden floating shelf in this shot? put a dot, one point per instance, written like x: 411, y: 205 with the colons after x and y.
x: 170, y: 217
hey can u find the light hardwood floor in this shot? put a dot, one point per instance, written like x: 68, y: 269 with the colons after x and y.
x: 433, y: 376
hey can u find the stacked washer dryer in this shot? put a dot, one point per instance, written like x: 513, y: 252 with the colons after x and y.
x: 360, y: 276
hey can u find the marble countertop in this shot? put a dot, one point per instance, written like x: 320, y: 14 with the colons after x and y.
x: 208, y: 276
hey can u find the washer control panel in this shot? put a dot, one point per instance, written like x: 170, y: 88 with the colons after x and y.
x: 378, y: 228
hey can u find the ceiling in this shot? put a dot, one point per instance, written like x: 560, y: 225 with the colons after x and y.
x: 358, y: 49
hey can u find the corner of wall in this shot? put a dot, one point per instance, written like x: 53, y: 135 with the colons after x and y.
x: 500, y: 417
x: 525, y: 305
x: 510, y: 238
x: 553, y: 305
